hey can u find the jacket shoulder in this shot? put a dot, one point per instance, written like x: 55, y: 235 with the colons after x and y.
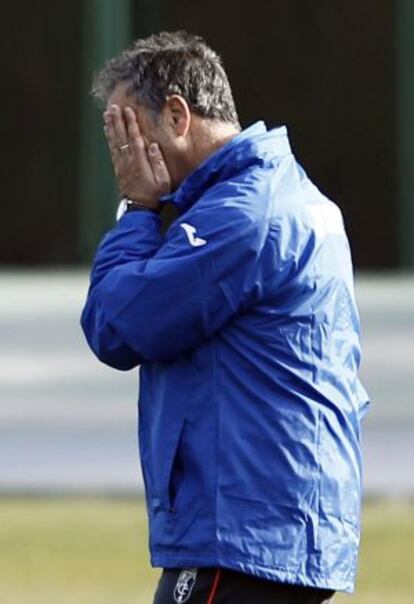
x: 245, y: 196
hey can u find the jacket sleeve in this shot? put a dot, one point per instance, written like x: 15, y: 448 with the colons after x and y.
x: 136, y: 237
x: 153, y: 301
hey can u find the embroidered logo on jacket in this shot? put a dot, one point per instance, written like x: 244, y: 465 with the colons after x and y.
x: 184, y: 585
x: 190, y: 232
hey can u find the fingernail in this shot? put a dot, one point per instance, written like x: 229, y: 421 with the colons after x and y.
x: 153, y: 148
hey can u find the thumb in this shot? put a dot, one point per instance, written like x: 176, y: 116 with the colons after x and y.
x: 159, y: 168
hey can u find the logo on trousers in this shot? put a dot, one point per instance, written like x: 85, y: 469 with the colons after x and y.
x: 184, y: 585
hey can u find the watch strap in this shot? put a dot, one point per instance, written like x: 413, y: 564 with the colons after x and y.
x: 128, y: 205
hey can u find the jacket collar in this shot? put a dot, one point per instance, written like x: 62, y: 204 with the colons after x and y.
x: 254, y: 145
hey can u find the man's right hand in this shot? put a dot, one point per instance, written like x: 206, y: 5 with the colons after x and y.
x: 142, y: 174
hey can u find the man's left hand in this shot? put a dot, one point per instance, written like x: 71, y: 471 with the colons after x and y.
x: 141, y: 173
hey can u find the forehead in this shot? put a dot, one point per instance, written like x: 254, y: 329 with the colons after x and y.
x: 119, y: 96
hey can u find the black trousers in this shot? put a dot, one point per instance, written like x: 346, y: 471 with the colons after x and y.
x: 223, y: 586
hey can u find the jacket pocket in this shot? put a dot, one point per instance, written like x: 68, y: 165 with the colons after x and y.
x: 166, y: 487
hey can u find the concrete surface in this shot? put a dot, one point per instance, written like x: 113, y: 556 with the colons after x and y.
x: 68, y: 423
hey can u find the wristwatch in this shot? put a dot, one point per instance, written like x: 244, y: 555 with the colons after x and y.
x: 128, y: 205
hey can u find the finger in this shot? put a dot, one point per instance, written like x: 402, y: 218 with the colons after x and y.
x: 110, y: 136
x: 159, y: 168
x: 109, y: 141
x: 135, y: 139
x: 121, y: 138
x: 131, y: 123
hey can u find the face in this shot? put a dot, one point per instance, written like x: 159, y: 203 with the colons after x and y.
x: 162, y: 130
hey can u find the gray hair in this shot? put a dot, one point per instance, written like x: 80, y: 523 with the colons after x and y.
x: 168, y: 63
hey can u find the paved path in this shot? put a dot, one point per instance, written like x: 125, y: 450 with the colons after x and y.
x: 68, y: 423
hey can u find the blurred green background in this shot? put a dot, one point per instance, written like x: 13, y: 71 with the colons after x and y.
x: 340, y: 75
x: 94, y: 551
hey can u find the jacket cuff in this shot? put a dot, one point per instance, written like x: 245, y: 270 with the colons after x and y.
x: 140, y: 217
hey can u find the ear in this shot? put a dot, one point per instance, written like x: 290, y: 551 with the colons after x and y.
x: 178, y: 114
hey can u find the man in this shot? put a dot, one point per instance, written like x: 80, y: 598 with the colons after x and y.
x: 243, y: 322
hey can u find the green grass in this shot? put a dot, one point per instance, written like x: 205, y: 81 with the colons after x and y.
x: 94, y: 551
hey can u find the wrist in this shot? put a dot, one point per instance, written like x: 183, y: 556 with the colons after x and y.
x: 129, y: 205
x: 132, y: 205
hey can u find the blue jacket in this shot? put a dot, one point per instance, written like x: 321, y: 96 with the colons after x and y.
x: 243, y: 320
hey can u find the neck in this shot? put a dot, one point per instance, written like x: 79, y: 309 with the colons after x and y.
x: 208, y: 137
